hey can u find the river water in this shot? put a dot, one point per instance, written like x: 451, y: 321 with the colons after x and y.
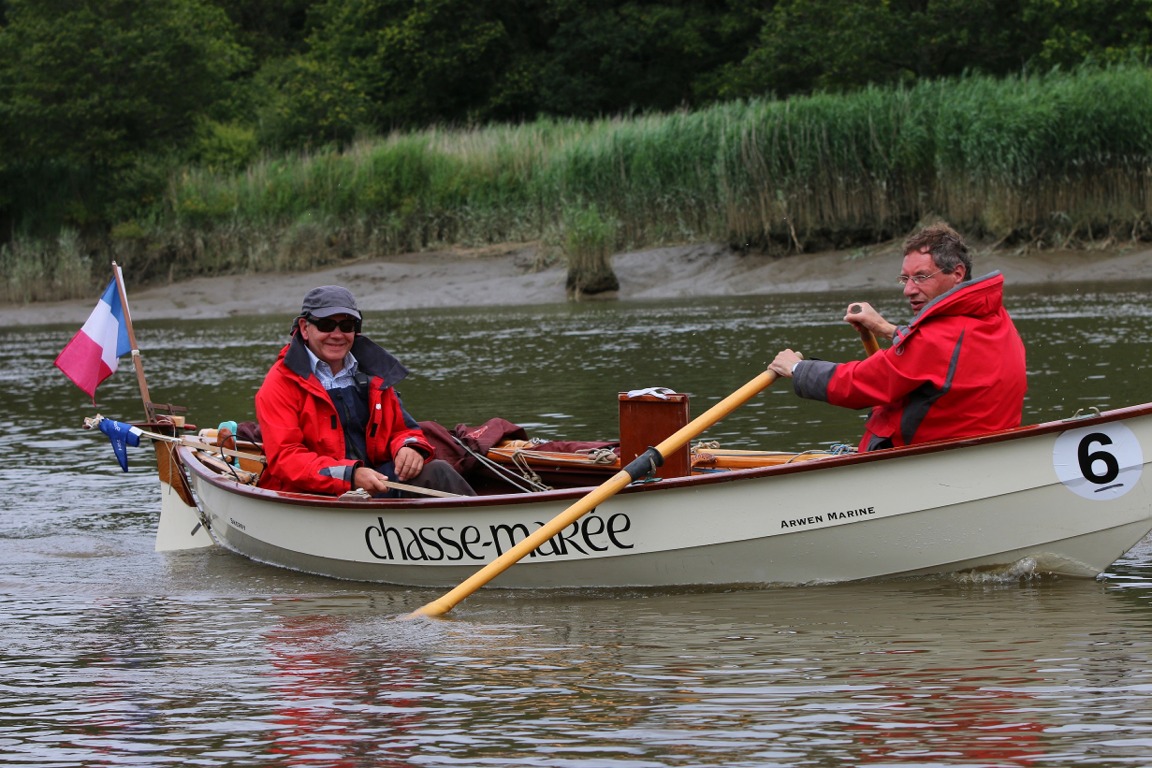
x: 116, y: 655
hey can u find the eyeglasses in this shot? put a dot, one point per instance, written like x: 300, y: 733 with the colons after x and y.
x: 918, y: 279
x: 327, y: 324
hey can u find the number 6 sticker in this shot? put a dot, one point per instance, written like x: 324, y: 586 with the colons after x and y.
x: 1099, y: 463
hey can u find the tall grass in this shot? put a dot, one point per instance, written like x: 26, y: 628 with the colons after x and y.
x: 589, y: 242
x: 1062, y: 158
x: 39, y: 270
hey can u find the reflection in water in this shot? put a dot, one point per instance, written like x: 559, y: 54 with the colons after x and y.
x: 264, y: 666
x: 116, y: 655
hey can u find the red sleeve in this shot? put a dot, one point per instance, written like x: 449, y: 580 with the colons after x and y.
x: 298, y: 460
x: 893, y: 373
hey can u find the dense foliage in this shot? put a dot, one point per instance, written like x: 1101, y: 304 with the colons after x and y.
x: 107, y: 107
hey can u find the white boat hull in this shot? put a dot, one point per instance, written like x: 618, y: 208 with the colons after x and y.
x: 1066, y: 498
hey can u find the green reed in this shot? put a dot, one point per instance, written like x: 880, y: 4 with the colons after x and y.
x: 42, y: 270
x: 1059, y: 158
x: 590, y: 239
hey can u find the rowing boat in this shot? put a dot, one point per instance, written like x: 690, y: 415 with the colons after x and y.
x: 1066, y: 498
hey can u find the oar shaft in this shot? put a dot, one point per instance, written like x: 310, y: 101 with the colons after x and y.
x: 423, y: 491
x: 604, y: 492
x: 449, y: 600
x: 693, y: 428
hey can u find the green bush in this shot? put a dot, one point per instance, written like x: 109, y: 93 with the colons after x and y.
x: 590, y: 240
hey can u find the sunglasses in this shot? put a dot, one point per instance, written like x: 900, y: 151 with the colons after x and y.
x: 327, y: 324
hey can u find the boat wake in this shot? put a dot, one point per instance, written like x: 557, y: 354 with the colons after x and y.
x: 1025, y: 569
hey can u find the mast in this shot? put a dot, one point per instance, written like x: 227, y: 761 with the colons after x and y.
x: 149, y: 411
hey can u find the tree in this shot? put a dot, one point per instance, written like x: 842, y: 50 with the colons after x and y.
x: 839, y: 45
x: 415, y: 62
x: 1067, y: 33
x: 89, y: 88
x: 273, y: 34
x: 418, y: 62
x: 611, y: 57
x: 304, y: 103
x: 270, y: 29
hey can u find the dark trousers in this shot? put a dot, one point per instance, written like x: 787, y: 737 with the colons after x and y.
x: 437, y: 475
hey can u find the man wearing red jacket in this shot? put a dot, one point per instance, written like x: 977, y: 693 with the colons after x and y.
x: 330, y: 420
x: 956, y: 370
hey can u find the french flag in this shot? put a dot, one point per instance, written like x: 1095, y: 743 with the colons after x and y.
x: 94, y: 352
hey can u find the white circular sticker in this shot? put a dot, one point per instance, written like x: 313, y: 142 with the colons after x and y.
x: 1101, y: 462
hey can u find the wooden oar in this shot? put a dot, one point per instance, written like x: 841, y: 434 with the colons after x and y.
x: 363, y: 494
x: 641, y: 466
x: 423, y: 491
x: 871, y: 346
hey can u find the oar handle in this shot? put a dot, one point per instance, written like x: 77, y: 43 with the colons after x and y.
x: 602, y: 493
x: 871, y: 346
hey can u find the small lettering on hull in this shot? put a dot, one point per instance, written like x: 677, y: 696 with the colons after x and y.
x: 801, y: 522
x: 862, y: 512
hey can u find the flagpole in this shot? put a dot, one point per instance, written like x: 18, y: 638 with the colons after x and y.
x: 149, y: 413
